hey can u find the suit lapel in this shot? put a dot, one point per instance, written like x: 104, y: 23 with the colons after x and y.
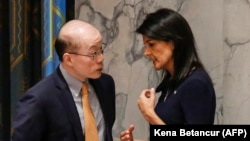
x: 102, y: 99
x: 98, y: 85
x: 100, y: 94
x: 69, y: 105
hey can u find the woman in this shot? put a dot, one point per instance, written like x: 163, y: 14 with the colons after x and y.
x: 187, y: 92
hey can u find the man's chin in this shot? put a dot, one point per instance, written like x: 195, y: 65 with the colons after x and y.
x: 156, y: 67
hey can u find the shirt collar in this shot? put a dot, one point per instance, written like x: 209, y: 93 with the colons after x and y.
x: 74, y: 84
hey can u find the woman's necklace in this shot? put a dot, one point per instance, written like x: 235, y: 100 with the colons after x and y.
x: 167, y: 93
x: 166, y: 96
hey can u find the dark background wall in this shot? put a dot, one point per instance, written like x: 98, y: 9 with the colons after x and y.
x: 4, y: 72
x: 28, y: 71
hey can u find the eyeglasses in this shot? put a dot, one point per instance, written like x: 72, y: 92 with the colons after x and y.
x: 93, y: 56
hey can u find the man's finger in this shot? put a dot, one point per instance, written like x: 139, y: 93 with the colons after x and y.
x: 131, y: 128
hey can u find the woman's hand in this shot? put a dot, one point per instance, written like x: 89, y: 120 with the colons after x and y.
x: 127, y: 135
x: 146, y: 102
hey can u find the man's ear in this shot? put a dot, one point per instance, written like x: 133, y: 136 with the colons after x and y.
x: 67, y: 59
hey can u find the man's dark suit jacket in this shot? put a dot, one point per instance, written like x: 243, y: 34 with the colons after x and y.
x: 47, y: 112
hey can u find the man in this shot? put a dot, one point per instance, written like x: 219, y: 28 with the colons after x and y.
x: 52, y: 109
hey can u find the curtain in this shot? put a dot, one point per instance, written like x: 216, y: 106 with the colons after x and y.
x: 53, y: 18
x: 25, y: 47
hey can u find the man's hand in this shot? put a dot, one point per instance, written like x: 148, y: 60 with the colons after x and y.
x: 127, y: 135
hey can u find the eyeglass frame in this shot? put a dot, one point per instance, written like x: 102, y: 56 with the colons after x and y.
x: 93, y: 56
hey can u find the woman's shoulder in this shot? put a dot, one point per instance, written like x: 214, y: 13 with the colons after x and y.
x: 198, y: 77
x: 199, y: 74
x: 197, y: 83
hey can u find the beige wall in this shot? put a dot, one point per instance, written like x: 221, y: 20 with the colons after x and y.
x: 222, y: 32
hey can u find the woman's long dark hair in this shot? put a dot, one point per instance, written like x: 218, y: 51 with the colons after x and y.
x: 168, y: 25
